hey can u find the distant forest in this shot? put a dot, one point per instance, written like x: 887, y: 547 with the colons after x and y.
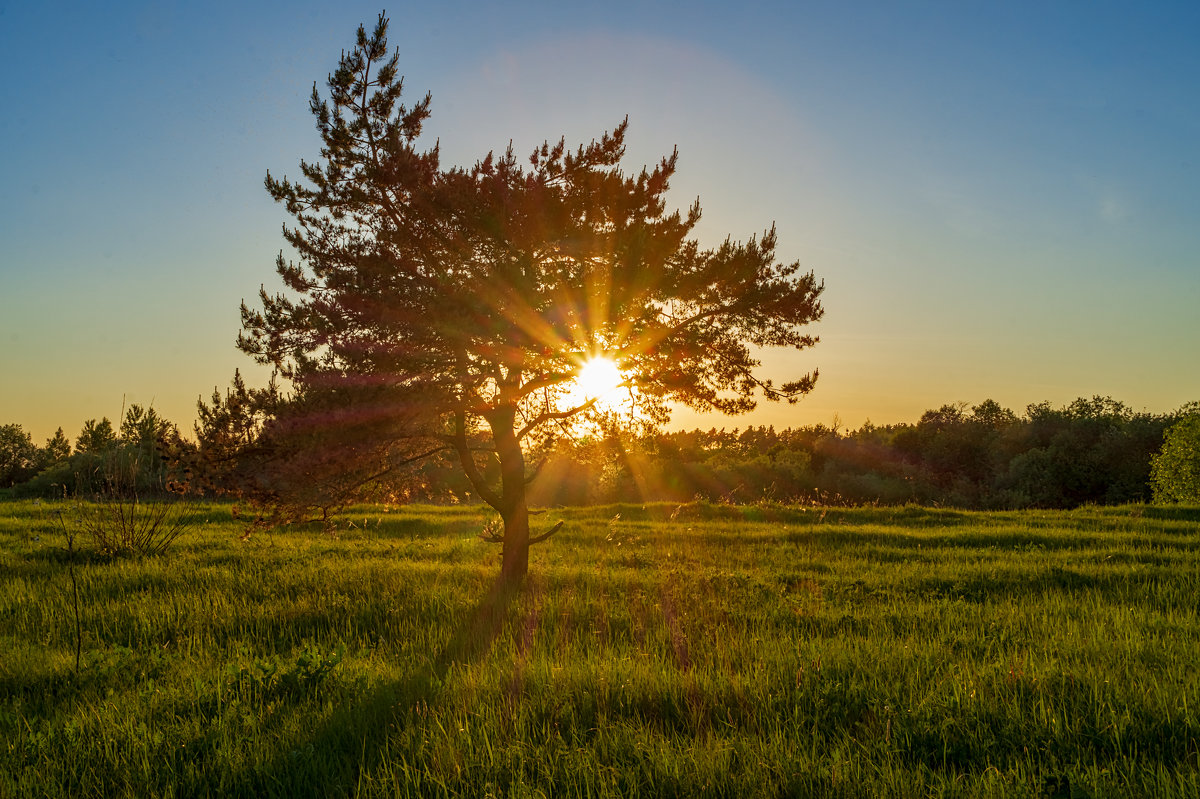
x: 1094, y: 450
x: 1090, y: 451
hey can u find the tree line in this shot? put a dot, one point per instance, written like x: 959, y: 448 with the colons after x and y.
x: 1090, y: 451
x: 142, y: 456
x: 254, y: 446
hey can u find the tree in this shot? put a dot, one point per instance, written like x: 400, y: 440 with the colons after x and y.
x: 142, y: 428
x: 1175, y: 470
x: 56, y: 451
x: 228, y: 429
x: 459, y: 304
x: 96, y: 437
x: 18, y: 455
x: 1092, y: 450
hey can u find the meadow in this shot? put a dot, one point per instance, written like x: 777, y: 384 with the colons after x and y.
x: 665, y: 650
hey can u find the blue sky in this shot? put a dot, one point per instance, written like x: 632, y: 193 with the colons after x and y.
x: 1002, y: 198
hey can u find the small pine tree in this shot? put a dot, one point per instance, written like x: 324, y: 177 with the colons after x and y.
x: 56, y: 451
x: 96, y: 437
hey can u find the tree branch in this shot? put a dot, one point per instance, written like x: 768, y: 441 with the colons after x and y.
x: 467, y: 459
x: 550, y: 415
x: 543, y: 381
x: 537, y: 469
x: 393, y: 467
x: 539, y: 539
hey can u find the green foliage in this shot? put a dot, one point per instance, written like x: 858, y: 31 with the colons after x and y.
x: 695, y: 650
x: 56, y: 451
x: 1093, y: 450
x: 268, y: 678
x: 292, y: 456
x: 95, y: 437
x: 145, y: 460
x: 267, y: 450
x: 18, y: 455
x: 142, y: 433
x: 1090, y: 451
x: 1175, y: 470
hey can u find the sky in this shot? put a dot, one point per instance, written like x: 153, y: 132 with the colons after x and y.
x: 1001, y: 198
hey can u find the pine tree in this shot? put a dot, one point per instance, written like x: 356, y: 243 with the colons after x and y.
x: 457, y: 305
x: 96, y: 437
x: 56, y: 451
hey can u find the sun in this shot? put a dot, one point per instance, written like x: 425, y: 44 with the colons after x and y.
x: 597, y: 378
x: 599, y: 385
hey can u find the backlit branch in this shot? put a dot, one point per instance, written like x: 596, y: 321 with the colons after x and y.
x: 467, y: 458
x: 547, y: 416
x: 539, y: 539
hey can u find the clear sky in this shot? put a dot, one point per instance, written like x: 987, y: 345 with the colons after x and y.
x: 1002, y: 198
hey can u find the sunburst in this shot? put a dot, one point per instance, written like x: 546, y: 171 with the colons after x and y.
x: 598, y: 379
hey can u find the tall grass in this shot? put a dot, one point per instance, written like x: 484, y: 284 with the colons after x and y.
x: 702, y: 650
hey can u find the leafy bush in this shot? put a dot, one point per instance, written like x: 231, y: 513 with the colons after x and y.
x: 1175, y: 470
x: 269, y: 678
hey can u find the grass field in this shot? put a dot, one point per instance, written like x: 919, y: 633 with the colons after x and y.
x: 702, y: 650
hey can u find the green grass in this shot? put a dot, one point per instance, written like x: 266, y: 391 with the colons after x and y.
x: 701, y: 650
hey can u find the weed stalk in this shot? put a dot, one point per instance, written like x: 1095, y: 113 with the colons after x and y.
x: 74, y: 588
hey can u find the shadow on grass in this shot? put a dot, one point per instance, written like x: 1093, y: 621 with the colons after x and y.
x: 1175, y: 513
x: 1054, y: 587
x: 1002, y: 539
x: 45, y: 691
x: 353, y: 740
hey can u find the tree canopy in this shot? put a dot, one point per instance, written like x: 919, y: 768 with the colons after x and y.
x: 18, y: 455
x: 1175, y: 470
x: 453, y: 307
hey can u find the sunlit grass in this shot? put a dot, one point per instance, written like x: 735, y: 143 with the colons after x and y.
x: 702, y: 650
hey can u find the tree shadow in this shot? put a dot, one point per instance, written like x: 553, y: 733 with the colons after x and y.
x: 354, y: 738
x: 478, y: 631
x: 1180, y: 513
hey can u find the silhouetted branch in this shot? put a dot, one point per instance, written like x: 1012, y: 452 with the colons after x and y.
x: 550, y: 415
x: 539, y: 539
x: 467, y: 458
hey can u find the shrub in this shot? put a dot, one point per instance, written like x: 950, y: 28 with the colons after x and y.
x: 1175, y: 470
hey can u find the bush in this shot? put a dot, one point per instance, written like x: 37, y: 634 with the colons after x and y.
x: 121, y: 520
x: 1175, y: 470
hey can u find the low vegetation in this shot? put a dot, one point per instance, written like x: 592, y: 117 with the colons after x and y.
x: 661, y: 650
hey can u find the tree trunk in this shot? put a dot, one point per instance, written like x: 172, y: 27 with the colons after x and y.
x: 514, y: 511
x: 516, y: 546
